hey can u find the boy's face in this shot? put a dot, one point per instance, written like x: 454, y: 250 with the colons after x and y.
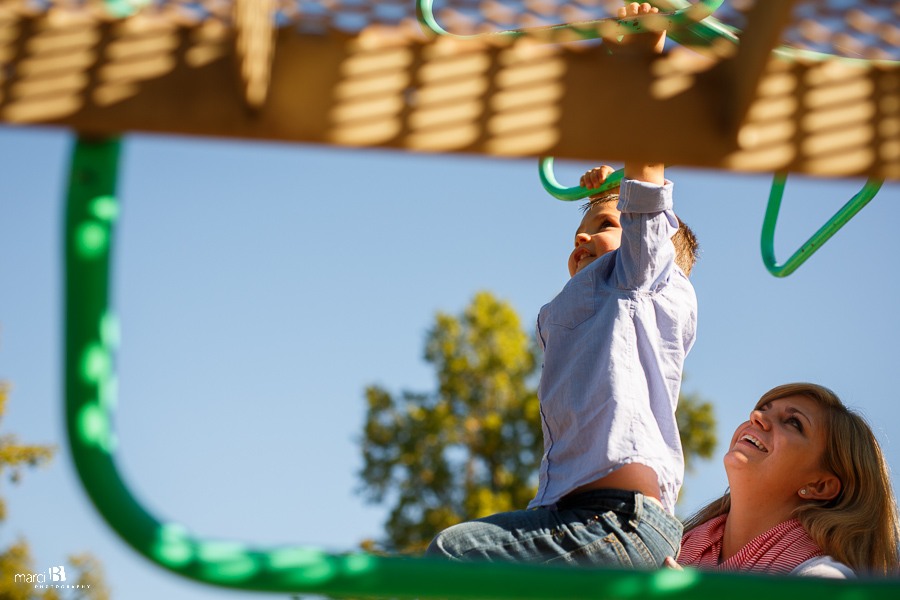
x: 600, y: 231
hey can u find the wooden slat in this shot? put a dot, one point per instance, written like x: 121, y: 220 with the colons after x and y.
x: 741, y: 75
x: 253, y: 23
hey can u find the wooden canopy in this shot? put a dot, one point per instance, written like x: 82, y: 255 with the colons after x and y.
x: 360, y: 73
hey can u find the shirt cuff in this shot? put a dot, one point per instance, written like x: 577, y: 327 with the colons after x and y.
x: 643, y: 197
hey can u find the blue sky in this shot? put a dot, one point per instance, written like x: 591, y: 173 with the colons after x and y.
x: 262, y: 286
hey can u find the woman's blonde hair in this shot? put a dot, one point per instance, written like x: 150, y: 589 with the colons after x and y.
x: 859, y: 527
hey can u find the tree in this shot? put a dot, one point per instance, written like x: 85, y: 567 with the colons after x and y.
x: 14, y: 456
x: 697, y: 426
x: 472, y: 447
x: 85, y: 570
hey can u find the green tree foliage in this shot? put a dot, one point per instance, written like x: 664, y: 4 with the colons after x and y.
x: 472, y: 447
x: 81, y: 570
x: 697, y: 426
x: 14, y: 456
x: 17, y: 559
x: 90, y: 584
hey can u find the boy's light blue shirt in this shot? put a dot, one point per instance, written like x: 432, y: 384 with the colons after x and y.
x: 614, y: 341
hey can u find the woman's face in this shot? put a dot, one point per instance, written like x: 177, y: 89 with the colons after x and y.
x: 778, y: 451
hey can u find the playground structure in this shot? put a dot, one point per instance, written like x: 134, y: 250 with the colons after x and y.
x: 362, y: 73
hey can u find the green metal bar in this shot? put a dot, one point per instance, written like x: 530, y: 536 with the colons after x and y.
x: 710, y: 33
x: 583, y: 30
x: 702, y: 35
x: 124, y: 8
x: 557, y: 190
x: 834, y: 224
x: 90, y: 383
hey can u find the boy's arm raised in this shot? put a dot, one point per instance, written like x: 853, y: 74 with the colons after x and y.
x: 642, y: 43
x: 646, y: 254
x: 645, y: 198
x: 651, y: 173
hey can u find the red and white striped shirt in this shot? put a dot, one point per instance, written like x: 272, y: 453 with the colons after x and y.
x: 780, y: 550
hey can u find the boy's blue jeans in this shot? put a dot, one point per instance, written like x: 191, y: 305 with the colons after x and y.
x: 614, y: 528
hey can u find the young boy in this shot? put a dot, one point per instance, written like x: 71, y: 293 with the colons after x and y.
x: 614, y: 343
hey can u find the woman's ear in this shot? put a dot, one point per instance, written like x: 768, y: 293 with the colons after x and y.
x: 825, y: 488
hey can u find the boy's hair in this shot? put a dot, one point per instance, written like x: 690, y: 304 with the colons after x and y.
x: 687, y: 249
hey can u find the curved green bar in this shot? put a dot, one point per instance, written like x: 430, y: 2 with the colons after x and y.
x: 834, y: 224
x: 584, y: 30
x: 90, y: 387
x: 555, y: 189
x: 710, y: 32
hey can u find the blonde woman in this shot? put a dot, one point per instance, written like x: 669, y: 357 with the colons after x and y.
x: 810, y: 494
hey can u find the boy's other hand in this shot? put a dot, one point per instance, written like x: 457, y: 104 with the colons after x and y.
x: 640, y: 42
x: 596, y: 176
x: 671, y: 564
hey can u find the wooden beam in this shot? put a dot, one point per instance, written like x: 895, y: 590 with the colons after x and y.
x: 389, y: 88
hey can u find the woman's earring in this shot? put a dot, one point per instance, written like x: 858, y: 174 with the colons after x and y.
x: 803, y: 492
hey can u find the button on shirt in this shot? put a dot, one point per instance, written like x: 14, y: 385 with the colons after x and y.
x: 614, y: 342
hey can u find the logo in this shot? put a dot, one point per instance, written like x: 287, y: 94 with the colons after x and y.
x: 53, y: 574
x: 53, y: 578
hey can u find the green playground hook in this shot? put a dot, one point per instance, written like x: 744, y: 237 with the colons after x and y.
x: 585, y: 30
x: 555, y: 189
x: 834, y: 224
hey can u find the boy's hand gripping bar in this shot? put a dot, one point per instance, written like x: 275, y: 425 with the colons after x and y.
x: 555, y: 189
x: 584, y: 30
